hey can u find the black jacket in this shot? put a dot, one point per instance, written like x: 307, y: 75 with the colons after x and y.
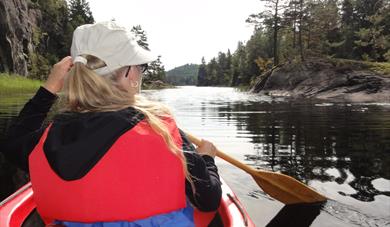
x: 77, y: 141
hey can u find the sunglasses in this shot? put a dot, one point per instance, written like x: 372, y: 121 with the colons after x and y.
x: 142, y: 68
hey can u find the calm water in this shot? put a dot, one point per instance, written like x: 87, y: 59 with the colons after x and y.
x: 340, y: 149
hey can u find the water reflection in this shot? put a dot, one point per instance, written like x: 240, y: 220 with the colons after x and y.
x: 304, y: 140
x: 340, y: 149
x: 11, y: 178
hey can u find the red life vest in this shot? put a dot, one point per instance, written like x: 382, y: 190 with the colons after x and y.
x: 137, y: 178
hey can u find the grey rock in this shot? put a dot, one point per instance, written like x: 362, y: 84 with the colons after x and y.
x: 323, y: 79
x: 17, y: 21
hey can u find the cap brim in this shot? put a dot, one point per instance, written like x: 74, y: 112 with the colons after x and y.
x: 143, y: 56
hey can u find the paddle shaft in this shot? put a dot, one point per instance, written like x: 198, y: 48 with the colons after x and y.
x: 279, y: 186
x: 223, y: 155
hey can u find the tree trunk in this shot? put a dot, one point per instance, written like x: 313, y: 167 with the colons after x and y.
x: 276, y: 57
x: 300, y: 30
x: 295, y: 26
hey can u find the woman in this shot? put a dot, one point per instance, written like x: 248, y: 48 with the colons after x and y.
x: 110, y: 157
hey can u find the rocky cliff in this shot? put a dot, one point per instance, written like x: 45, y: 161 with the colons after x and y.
x: 17, y: 22
x: 326, y: 79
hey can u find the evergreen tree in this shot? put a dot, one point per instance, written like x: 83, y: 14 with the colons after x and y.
x: 80, y: 13
x: 258, y: 46
x: 239, y: 65
x: 202, y: 74
x: 272, y: 18
x: 228, y: 69
x: 212, y: 72
x: 142, y: 39
x: 348, y: 26
x: 221, y: 67
x: 156, y: 69
x: 290, y: 20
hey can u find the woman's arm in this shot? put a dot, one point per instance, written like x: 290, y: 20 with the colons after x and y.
x: 26, y: 130
x: 205, y: 178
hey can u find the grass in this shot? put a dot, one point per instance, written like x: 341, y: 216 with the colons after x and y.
x: 11, y: 84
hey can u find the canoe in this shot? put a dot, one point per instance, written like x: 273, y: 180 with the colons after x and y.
x: 19, y: 207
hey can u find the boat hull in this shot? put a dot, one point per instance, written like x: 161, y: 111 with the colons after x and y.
x: 16, y: 209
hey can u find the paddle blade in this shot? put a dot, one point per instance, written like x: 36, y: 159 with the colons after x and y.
x: 279, y: 186
x: 285, y: 188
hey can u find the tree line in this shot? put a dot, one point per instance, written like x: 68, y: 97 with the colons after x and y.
x: 293, y: 30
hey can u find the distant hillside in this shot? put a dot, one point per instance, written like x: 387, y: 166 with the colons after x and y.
x: 183, y: 75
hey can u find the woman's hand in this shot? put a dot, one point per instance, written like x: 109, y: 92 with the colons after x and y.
x: 55, y: 81
x: 207, y: 148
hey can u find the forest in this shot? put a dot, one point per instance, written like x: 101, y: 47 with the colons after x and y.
x: 297, y: 30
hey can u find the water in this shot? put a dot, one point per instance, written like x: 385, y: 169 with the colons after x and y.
x: 340, y: 149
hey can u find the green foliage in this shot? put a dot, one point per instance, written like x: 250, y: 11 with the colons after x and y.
x: 183, y: 75
x: 39, y: 67
x: 52, y: 37
x: 373, y: 41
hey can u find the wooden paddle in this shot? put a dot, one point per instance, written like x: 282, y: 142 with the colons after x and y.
x: 279, y: 186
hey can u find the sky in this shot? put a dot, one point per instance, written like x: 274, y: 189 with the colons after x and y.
x: 183, y: 31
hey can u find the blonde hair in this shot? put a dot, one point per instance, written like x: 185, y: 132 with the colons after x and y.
x: 85, y: 91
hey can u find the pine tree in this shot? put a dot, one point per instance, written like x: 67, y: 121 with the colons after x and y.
x: 271, y: 18
x: 212, y: 72
x: 222, y: 66
x: 240, y: 65
x: 228, y: 69
x: 156, y: 69
x: 80, y: 13
x: 348, y: 26
x: 155, y: 72
x: 202, y: 74
x: 142, y: 39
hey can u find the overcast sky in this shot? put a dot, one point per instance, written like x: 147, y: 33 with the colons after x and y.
x: 182, y: 31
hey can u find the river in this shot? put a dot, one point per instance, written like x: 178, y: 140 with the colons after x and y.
x: 340, y: 149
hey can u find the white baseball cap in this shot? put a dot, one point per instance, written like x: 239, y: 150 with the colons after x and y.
x: 111, y: 43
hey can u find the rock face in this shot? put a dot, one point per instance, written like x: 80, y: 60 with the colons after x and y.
x: 321, y: 78
x: 17, y: 22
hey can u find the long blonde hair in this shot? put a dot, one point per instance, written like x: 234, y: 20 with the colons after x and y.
x: 85, y: 91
